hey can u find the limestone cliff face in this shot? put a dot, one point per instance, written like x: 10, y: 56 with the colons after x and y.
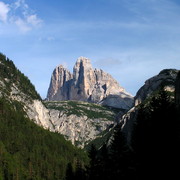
x: 87, y: 84
x: 83, y: 80
x: 59, y: 84
x: 34, y: 108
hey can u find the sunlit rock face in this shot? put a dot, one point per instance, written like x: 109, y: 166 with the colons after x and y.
x: 87, y: 84
x: 166, y: 79
x: 59, y: 85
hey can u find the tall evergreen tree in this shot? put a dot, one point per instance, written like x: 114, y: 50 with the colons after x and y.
x: 104, y: 163
x: 92, y: 171
x: 80, y: 173
x: 120, y: 156
x: 69, y: 172
x: 155, y: 137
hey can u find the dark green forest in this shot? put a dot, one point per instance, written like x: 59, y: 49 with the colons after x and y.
x: 27, y: 151
x: 154, y: 149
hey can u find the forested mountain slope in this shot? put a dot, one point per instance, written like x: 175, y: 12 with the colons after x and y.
x: 27, y: 150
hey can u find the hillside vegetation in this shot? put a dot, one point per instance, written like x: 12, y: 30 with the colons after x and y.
x: 9, y: 75
x: 79, y: 108
x: 83, y: 122
x: 27, y: 151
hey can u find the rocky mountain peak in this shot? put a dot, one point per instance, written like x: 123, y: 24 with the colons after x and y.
x: 60, y: 67
x: 59, y: 79
x: 81, y: 70
x: 82, y: 64
x: 87, y: 84
x: 83, y: 60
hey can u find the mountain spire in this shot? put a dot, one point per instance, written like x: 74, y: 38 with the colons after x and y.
x: 87, y: 84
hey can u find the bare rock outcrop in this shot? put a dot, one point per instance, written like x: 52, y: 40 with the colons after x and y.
x: 80, y: 122
x: 87, y: 84
x: 59, y: 85
x: 165, y: 79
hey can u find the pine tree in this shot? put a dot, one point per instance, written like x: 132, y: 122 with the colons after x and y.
x: 92, y: 171
x: 119, y: 156
x: 80, y: 173
x: 155, y: 138
x: 69, y: 172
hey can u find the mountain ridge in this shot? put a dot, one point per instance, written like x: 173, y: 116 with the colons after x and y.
x: 87, y: 84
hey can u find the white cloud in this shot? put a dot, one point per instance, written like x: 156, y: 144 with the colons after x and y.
x: 20, y: 15
x: 4, y: 9
x: 33, y: 20
x: 22, y: 25
x: 20, y: 4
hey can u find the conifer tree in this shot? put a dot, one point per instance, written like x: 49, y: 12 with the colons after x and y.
x: 155, y: 137
x: 69, y: 172
x: 119, y: 156
x: 80, y: 173
x: 92, y: 171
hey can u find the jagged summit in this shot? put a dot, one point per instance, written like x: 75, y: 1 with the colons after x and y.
x: 59, y: 81
x: 83, y: 59
x: 60, y: 67
x: 83, y: 62
x: 87, y: 84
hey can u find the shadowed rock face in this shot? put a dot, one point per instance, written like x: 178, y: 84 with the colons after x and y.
x: 87, y: 84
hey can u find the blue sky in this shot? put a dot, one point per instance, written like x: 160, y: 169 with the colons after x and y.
x: 130, y: 39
